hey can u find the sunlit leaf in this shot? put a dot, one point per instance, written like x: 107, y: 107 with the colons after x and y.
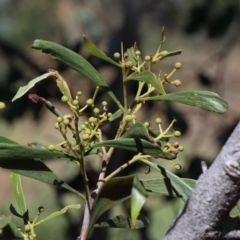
x: 22, y: 90
x: 95, y: 51
x: 18, y: 192
x: 175, y: 185
x: 4, y: 221
x: 124, y: 222
x: 74, y: 61
x: 138, y: 198
x: 56, y: 214
x: 148, y: 77
x: 207, y: 100
x: 136, y: 145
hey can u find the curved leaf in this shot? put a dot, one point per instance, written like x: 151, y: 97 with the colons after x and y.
x: 136, y: 145
x: 4, y: 221
x: 175, y: 185
x: 113, y: 192
x: 148, y: 77
x: 207, y: 100
x: 138, y: 198
x: 56, y: 214
x: 26, y: 161
x: 161, y: 186
x: 22, y: 90
x: 74, y: 61
x: 91, y: 48
x: 131, y: 56
x: 18, y: 192
x: 137, y: 130
x: 124, y: 222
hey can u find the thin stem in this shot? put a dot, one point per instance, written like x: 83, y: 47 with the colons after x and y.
x: 134, y: 159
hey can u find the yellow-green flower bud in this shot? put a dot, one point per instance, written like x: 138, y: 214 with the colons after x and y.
x: 104, y: 103
x: 117, y: 55
x: 59, y: 119
x: 79, y: 93
x: 147, y: 58
x: 88, y: 131
x: 180, y: 148
x: 2, y: 105
x: 177, y: 83
x: 89, y: 102
x: 158, y: 121
x: 147, y: 124
x: 27, y: 228
x: 75, y: 102
x: 85, y: 137
x: 64, y: 98
x: 164, y: 53
x: 56, y: 125
x: 137, y: 53
x: 51, y: 147
x: 177, y: 133
x: 64, y: 145
x: 178, y: 65
x: 177, y: 167
x: 128, y: 118
x: 167, y: 145
x: 66, y: 121
x: 96, y: 111
x: 91, y: 120
x: 109, y: 114
x: 129, y: 64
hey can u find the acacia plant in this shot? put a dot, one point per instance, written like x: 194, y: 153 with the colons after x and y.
x: 146, y: 142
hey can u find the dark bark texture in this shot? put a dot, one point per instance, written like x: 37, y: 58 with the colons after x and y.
x: 215, y: 194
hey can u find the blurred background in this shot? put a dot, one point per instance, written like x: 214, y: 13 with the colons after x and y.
x: 206, y: 30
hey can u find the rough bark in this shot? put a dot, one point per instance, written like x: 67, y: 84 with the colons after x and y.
x: 215, y: 194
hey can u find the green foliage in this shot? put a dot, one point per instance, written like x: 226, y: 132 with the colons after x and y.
x: 132, y: 135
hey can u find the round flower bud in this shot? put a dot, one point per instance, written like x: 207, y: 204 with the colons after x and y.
x: 66, y: 121
x: 51, y: 147
x: 147, y: 58
x: 177, y: 83
x: 64, y: 98
x: 75, y: 102
x: 79, y: 93
x: 147, y: 124
x: 177, y: 133
x: 59, y: 119
x: 96, y: 111
x: 177, y: 167
x: 176, y: 145
x: 27, y: 228
x: 88, y: 131
x: 56, y: 125
x: 91, y: 120
x: 89, y: 102
x: 109, y: 114
x: 178, y: 65
x: 128, y: 118
x: 83, y: 126
x: 137, y: 53
x: 129, y: 64
x: 164, y: 53
x: 117, y: 55
x: 85, y: 136
x: 104, y: 103
x: 158, y: 121
x: 64, y: 145
x: 168, y: 145
x: 2, y: 105
x: 180, y: 148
